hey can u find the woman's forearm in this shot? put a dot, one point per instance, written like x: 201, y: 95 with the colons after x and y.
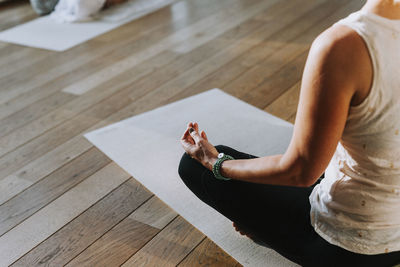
x: 290, y: 169
x: 266, y: 170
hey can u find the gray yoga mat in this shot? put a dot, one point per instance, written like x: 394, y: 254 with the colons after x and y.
x: 44, y: 32
x: 147, y: 147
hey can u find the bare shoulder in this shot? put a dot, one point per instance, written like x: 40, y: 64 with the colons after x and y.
x: 339, y: 40
x: 343, y: 54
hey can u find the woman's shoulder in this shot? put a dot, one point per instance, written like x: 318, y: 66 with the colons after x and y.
x: 339, y: 39
x: 346, y: 56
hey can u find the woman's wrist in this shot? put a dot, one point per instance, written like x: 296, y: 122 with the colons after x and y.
x: 210, y: 162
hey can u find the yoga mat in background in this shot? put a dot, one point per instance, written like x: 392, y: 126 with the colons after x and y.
x: 147, y: 147
x: 45, y: 33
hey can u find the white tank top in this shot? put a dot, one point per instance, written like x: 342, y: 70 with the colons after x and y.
x: 357, y: 205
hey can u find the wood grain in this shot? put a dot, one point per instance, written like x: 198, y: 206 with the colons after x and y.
x: 280, y: 81
x: 69, y: 241
x: 42, y: 193
x: 14, y: 13
x: 154, y: 213
x: 169, y: 247
x: 117, y: 245
x: 248, y: 84
x: 59, y: 212
x: 208, y: 254
x: 33, y: 112
x: 47, y: 76
x: 172, y: 40
x: 183, y: 82
x: 42, y: 166
x: 287, y: 45
x: 126, y: 238
x: 70, y: 110
x: 285, y: 106
x: 243, y: 72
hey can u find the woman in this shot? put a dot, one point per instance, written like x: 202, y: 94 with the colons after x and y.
x: 347, y: 126
x: 90, y: 7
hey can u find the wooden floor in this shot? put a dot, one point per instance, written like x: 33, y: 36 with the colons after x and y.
x: 63, y: 202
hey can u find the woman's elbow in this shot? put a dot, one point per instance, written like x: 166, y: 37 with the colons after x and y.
x: 302, y: 173
x: 304, y: 181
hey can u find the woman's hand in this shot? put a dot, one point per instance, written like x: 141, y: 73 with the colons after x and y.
x: 197, y: 146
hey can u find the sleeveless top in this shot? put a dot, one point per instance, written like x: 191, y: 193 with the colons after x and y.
x: 357, y: 205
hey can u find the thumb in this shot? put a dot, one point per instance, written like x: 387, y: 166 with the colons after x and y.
x: 195, y: 135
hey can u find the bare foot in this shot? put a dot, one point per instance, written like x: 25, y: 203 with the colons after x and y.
x: 242, y: 231
x: 109, y: 3
x: 249, y: 235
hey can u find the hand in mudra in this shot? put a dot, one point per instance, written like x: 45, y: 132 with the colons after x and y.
x: 198, y: 147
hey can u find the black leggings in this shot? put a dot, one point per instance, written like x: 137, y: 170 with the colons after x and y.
x: 276, y: 215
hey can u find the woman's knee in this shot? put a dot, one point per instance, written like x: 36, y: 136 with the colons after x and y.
x: 234, y: 153
x: 189, y: 168
x: 223, y: 149
x: 184, y: 165
x: 191, y: 173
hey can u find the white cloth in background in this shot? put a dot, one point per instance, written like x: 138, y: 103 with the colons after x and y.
x: 357, y: 205
x: 76, y: 10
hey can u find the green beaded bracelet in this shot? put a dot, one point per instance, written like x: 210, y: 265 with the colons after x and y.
x: 216, y: 168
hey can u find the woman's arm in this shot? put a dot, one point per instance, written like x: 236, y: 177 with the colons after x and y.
x: 338, y: 73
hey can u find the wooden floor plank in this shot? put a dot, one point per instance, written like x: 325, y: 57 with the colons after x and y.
x: 42, y: 193
x: 278, y: 83
x: 72, y: 239
x: 169, y: 247
x: 208, y: 254
x: 115, y: 247
x: 33, y: 112
x: 14, y: 58
x: 59, y: 212
x: 14, y: 13
x: 232, y: 18
x: 16, y: 62
x: 40, y: 167
x: 8, y: 51
x: 126, y: 238
x: 286, y: 105
x: 154, y: 213
x: 292, y: 118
